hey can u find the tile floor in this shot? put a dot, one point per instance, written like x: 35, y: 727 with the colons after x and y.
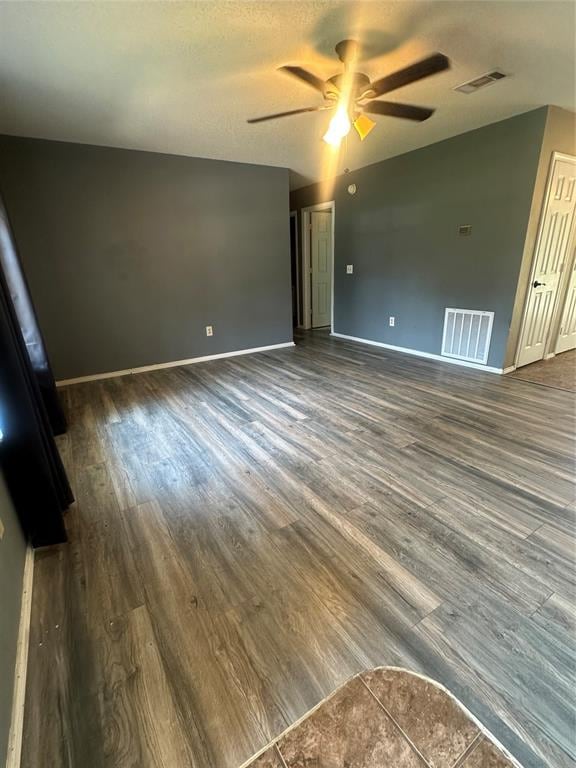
x: 385, y: 717
x: 558, y: 372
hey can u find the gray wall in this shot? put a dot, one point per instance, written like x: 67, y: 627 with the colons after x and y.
x: 12, y: 555
x: 400, y: 232
x: 129, y: 255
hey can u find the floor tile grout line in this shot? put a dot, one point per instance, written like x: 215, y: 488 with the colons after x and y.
x: 277, y: 739
x: 398, y: 726
x: 468, y: 751
x: 284, y: 763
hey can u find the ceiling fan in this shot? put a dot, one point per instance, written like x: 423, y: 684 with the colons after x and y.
x: 353, y: 95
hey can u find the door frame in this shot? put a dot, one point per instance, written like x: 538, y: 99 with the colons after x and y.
x: 294, y: 215
x: 306, y: 268
x: 564, y: 298
x: 558, y: 304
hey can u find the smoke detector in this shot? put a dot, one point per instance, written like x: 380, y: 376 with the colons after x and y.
x: 480, y: 82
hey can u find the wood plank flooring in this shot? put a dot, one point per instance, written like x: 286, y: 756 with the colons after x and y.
x: 251, y: 532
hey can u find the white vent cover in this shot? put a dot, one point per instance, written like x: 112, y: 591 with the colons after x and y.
x: 480, y: 82
x: 467, y: 334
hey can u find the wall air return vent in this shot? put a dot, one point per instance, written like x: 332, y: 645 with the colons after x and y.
x: 480, y: 82
x: 467, y: 334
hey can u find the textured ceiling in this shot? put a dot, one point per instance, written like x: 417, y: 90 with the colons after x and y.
x: 183, y: 77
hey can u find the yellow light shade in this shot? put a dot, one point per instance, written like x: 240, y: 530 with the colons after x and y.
x: 363, y: 126
x: 339, y: 127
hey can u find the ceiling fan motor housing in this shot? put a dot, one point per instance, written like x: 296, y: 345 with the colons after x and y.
x: 360, y: 86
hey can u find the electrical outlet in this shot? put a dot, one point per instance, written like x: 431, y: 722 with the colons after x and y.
x: 209, y: 330
x: 392, y: 321
x: 349, y: 269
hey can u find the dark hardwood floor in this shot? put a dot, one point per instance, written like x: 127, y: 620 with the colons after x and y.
x: 251, y: 532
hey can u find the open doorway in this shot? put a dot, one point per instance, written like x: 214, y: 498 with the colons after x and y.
x: 549, y: 322
x: 318, y: 265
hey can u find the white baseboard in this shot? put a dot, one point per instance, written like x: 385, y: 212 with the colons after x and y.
x: 18, y: 699
x: 172, y: 364
x: 509, y: 369
x: 418, y: 353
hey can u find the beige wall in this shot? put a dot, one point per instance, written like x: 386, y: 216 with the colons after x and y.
x: 559, y: 136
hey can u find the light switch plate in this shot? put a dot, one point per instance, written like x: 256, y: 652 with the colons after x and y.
x: 349, y: 269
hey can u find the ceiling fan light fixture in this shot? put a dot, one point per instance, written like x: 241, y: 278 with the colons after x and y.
x: 339, y: 127
x: 353, y: 95
x: 363, y: 126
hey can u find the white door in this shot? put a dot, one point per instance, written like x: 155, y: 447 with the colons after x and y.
x: 321, y: 267
x: 550, y: 256
x: 567, y: 333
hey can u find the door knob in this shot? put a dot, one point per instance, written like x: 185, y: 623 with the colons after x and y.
x: 536, y: 284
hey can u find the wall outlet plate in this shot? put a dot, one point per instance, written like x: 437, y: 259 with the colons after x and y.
x: 209, y: 330
x: 1, y: 529
x: 392, y: 322
x: 349, y: 269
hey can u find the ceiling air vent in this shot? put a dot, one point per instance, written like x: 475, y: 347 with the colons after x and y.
x: 480, y: 82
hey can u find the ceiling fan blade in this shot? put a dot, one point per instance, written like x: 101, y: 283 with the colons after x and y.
x: 430, y: 66
x: 305, y: 76
x: 291, y: 112
x: 392, y: 109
